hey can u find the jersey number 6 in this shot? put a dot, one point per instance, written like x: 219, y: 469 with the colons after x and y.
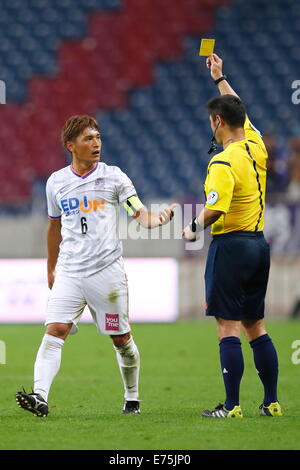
x: 84, y: 227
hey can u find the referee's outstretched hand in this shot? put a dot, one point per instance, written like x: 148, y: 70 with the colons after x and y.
x: 215, y: 64
x: 188, y: 234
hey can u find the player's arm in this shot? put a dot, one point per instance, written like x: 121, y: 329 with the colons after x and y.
x: 150, y: 220
x: 215, y: 64
x: 147, y: 219
x: 204, y: 219
x: 53, y: 241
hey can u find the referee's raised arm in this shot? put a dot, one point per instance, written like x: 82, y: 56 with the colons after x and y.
x: 215, y: 64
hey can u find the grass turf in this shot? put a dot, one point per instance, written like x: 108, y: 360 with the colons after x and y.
x: 180, y: 376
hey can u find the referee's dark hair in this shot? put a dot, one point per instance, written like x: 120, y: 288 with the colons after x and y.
x: 230, y: 108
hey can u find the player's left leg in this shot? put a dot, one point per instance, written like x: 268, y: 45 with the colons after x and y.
x: 129, y: 363
x: 107, y: 296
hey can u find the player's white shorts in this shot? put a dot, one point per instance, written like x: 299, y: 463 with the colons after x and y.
x: 105, y: 293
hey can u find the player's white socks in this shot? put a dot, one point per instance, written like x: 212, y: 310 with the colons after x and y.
x: 129, y: 362
x: 47, y: 364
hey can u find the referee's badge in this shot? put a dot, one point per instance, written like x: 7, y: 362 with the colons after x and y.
x: 212, y: 198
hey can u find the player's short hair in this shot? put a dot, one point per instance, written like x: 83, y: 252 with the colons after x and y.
x: 75, y: 125
x: 230, y: 108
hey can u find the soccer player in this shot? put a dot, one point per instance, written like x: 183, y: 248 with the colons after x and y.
x: 85, y: 265
x: 238, y: 261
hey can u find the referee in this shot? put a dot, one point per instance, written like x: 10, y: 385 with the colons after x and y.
x: 238, y: 261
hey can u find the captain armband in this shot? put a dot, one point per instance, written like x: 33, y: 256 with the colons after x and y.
x: 133, y: 205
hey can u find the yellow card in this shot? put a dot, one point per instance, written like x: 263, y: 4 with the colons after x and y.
x: 207, y: 47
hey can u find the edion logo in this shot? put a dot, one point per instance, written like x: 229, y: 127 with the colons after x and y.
x: 112, y: 321
x: 85, y: 206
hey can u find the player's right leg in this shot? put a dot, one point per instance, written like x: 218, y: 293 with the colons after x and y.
x: 46, y: 366
x: 266, y: 363
x: 48, y: 358
x: 65, y: 306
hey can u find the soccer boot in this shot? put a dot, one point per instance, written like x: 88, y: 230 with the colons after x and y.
x: 131, y: 407
x: 274, y: 409
x: 221, y: 412
x: 32, y: 402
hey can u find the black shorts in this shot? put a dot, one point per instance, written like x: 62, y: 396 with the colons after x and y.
x: 236, y: 275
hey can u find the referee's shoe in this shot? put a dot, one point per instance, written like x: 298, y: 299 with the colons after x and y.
x: 221, y: 412
x: 32, y: 402
x: 274, y: 409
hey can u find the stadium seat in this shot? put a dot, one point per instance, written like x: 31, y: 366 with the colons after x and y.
x: 135, y: 65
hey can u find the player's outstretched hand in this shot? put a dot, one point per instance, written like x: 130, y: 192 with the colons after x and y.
x: 188, y: 234
x: 167, y: 214
x: 215, y: 64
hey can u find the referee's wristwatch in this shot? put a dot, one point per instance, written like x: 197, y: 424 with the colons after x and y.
x: 218, y: 80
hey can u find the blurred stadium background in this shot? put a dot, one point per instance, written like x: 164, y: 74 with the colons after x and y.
x: 134, y: 65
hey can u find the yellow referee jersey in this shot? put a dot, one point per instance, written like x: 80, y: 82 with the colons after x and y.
x: 236, y: 184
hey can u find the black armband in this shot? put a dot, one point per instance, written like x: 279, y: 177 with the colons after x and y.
x: 193, y: 225
x: 220, y: 79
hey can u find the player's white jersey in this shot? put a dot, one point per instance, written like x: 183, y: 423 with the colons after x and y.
x: 88, y: 206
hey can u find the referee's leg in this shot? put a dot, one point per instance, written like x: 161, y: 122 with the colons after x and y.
x: 231, y: 358
x: 224, y: 295
x: 265, y: 357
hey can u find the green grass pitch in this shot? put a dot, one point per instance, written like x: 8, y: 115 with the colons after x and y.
x: 180, y: 376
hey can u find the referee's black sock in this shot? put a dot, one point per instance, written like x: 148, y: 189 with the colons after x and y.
x: 266, y: 363
x: 232, y: 364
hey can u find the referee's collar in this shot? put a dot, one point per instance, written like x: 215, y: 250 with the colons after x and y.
x: 235, y: 142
